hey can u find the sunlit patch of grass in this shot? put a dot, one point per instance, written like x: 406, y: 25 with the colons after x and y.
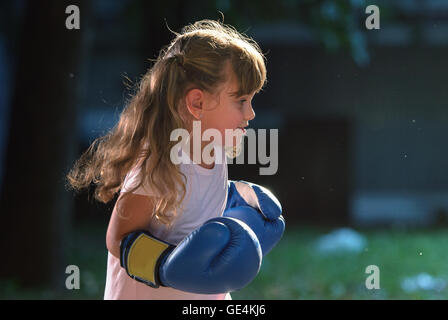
x: 294, y: 269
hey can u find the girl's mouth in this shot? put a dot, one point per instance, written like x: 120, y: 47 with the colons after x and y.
x: 244, y: 130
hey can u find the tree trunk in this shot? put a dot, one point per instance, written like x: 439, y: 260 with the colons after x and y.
x: 35, y: 207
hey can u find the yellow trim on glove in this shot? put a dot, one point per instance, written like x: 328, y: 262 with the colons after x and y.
x: 143, y: 257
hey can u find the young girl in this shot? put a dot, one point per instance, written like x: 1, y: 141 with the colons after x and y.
x: 208, y: 73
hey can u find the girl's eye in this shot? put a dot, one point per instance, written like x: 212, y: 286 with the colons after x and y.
x: 242, y: 101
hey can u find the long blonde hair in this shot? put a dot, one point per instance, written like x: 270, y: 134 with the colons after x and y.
x: 195, y: 58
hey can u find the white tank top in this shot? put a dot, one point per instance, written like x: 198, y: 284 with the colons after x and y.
x: 205, y: 198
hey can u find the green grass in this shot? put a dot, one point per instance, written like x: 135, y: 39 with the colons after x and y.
x: 292, y: 270
x: 296, y: 270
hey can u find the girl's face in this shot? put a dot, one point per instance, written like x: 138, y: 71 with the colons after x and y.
x: 224, y: 111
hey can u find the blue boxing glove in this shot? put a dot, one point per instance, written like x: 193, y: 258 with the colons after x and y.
x: 259, y: 209
x: 222, y: 255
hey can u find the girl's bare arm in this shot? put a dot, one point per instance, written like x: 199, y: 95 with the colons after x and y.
x: 131, y: 212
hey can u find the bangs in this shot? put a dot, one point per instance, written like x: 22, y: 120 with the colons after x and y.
x: 250, y: 71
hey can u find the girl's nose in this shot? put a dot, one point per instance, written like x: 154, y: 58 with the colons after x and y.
x: 251, y: 114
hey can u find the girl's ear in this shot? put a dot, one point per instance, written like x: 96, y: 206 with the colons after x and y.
x: 194, y: 100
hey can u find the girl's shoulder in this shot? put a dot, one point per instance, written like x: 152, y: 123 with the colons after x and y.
x: 132, y: 180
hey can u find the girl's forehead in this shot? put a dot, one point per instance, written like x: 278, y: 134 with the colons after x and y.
x: 231, y: 87
x: 236, y: 93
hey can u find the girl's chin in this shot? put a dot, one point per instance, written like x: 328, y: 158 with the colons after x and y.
x: 234, y: 141
x: 231, y: 139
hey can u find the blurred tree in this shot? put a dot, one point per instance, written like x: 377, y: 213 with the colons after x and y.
x: 34, y: 206
x: 335, y: 24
